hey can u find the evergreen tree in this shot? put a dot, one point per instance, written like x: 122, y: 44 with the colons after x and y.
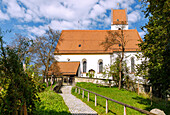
x: 156, y: 45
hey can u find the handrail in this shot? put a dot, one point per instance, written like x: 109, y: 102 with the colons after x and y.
x: 125, y: 105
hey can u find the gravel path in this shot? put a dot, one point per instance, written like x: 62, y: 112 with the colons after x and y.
x: 75, y: 105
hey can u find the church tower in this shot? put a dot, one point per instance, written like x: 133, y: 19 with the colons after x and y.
x: 119, y: 19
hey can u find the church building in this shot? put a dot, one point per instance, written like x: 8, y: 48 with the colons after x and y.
x: 80, y: 52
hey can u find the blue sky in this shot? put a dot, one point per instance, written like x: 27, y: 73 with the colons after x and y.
x: 33, y: 17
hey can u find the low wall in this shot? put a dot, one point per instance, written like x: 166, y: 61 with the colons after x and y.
x: 92, y: 80
x: 132, y: 86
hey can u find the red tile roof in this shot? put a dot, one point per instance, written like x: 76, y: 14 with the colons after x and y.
x: 89, y: 41
x: 67, y: 68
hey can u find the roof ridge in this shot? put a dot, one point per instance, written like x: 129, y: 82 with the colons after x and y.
x: 99, y: 30
x: 118, y: 9
x: 84, y: 30
x: 69, y: 62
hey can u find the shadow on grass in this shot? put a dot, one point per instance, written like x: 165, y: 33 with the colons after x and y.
x: 43, y: 111
x: 155, y: 104
x: 98, y: 104
x: 52, y: 113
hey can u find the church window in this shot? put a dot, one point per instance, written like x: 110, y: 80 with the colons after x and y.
x: 100, y: 67
x: 84, y: 66
x: 132, y: 65
x: 117, y: 19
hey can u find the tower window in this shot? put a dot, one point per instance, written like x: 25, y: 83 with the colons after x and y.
x: 79, y: 45
x: 117, y: 19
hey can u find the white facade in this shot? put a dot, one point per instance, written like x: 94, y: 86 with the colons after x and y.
x: 93, y: 61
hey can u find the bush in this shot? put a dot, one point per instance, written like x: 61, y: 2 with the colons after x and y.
x: 18, y: 87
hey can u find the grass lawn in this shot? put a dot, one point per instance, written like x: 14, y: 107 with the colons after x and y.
x: 51, y: 104
x: 130, y: 98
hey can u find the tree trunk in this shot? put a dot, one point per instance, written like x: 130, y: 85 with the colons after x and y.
x: 120, y: 75
x: 51, y: 82
x: 43, y: 78
x: 46, y: 75
x: 47, y: 80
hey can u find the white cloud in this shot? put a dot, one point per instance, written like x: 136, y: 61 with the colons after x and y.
x: 65, y: 14
x: 3, y: 16
x: 142, y: 33
x: 134, y: 16
x: 14, y: 9
x: 137, y: 6
x: 38, y: 31
x: 97, y: 11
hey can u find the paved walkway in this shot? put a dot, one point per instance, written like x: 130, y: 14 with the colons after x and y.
x: 75, y: 105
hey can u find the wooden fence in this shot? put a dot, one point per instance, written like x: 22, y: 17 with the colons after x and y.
x: 125, y: 105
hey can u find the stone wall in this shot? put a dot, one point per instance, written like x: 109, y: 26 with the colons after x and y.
x: 132, y: 86
x: 92, y: 80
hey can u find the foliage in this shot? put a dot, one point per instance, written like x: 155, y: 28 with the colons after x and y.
x: 130, y: 98
x: 116, y: 38
x: 44, y: 48
x: 17, y: 87
x: 90, y: 74
x: 156, y: 45
x: 51, y: 104
x: 113, y: 70
x: 23, y: 45
x: 33, y: 71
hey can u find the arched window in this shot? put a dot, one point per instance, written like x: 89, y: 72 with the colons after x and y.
x: 84, y: 66
x: 100, y: 67
x: 132, y: 65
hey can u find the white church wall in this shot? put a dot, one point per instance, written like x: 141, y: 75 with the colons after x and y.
x: 92, y: 62
x: 128, y: 56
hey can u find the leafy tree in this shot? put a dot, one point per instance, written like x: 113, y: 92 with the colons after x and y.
x: 33, y: 71
x: 17, y: 88
x: 113, y: 70
x: 25, y: 47
x: 116, y: 37
x: 44, y: 48
x: 156, y: 45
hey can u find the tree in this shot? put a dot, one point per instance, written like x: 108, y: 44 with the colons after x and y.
x: 23, y: 45
x: 156, y: 45
x: 54, y: 71
x: 116, y: 37
x: 113, y: 70
x: 44, y: 47
x: 17, y: 87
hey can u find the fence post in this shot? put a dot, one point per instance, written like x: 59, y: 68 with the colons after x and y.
x: 76, y: 90
x: 106, y: 106
x: 83, y: 94
x: 95, y: 100
x: 124, y: 110
x: 79, y: 91
x: 88, y: 97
